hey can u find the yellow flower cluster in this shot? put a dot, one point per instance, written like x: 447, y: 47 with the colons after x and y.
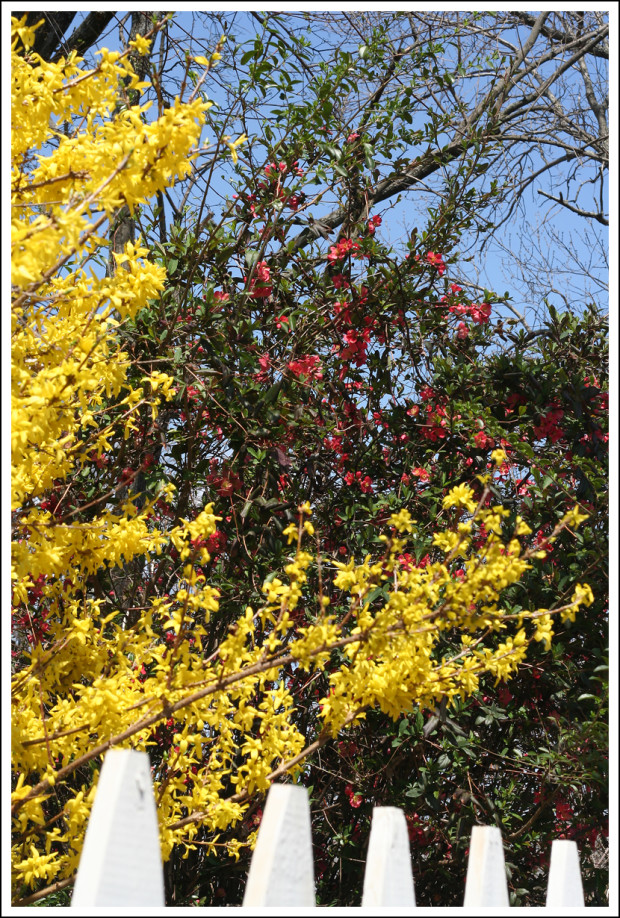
x: 227, y: 719
x: 66, y: 360
x: 233, y: 716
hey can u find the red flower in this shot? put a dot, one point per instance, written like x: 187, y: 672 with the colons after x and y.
x: 504, y: 694
x: 272, y: 168
x: 355, y: 800
x: 264, y: 362
x: 336, y: 252
x: 548, y: 428
x: 480, y: 314
x: 342, y: 311
x: 366, y: 484
x: 512, y: 401
x: 216, y: 543
x: 259, y: 286
x: 563, y: 810
x: 483, y: 441
x: 357, y: 345
x: 306, y: 367
x: 295, y: 200
x: 435, y: 259
x: 339, y: 280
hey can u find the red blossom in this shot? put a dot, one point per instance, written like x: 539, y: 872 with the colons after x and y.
x: 563, y: 810
x: 480, y: 314
x: 365, y: 484
x: 216, y: 543
x: 259, y: 285
x: 355, y: 800
x: 483, y: 441
x: 513, y: 400
x: 504, y: 694
x: 435, y: 259
x: 547, y: 427
x: 342, y: 312
x: 308, y: 367
x: 264, y: 361
x: 342, y: 248
x: 339, y: 280
x: 356, y: 346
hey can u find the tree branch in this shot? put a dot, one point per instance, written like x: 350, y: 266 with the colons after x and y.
x: 558, y: 35
x: 86, y: 34
x: 576, y: 210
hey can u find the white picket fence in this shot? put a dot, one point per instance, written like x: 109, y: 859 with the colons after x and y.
x: 121, y: 859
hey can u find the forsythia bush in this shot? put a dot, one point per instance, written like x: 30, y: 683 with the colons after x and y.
x: 84, y: 679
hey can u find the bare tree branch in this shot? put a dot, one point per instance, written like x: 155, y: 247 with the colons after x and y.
x: 576, y: 210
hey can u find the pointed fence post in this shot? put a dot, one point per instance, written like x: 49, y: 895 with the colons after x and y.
x: 564, y: 888
x: 282, y: 870
x: 486, y: 870
x: 121, y: 859
x: 388, y: 879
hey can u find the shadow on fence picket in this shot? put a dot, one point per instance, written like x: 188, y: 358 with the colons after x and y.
x: 121, y: 859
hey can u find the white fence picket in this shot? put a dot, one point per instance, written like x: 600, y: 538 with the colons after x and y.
x: 121, y: 859
x: 486, y: 869
x: 282, y: 869
x: 564, y: 887
x: 388, y: 879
